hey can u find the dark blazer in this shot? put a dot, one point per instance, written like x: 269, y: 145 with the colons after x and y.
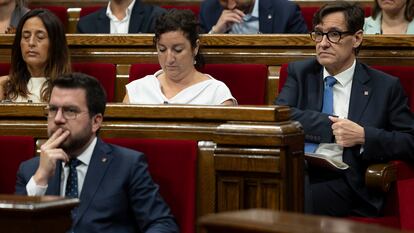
x: 142, y: 20
x: 377, y: 103
x: 275, y: 16
x: 118, y: 194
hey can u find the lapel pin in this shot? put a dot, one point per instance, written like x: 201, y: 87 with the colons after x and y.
x: 104, y: 160
x: 365, y: 92
x: 269, y: 16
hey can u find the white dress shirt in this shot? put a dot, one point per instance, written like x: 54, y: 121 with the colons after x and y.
x: 85, y: 157
x: 116, y: 25
x: 341, y: 97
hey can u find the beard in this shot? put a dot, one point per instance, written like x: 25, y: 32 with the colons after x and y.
x: 76, y: 142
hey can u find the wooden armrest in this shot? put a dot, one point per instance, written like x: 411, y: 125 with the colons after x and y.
x: 380, y: 176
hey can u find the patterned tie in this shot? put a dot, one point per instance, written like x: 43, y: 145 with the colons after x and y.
x: 327, y: 107
x: 72, y: 181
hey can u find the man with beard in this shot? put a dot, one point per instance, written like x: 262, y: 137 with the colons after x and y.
x: 115, y: 189
x: 251, y: 17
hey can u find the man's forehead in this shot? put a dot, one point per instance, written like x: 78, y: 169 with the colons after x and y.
x: 333, y: 21
x: 68, y: 95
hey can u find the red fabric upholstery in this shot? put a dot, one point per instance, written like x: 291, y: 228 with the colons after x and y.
x: 405, y: 74
x: 172, y: 165
x: 247, y: 82
x: 194, y: 8
x: 4, y: 69
x: 399, y: 208
x: 88, y: 9
x: 14, y: 149
x: 60, y: 11
x: 309, y: 11
x: 104, y: 72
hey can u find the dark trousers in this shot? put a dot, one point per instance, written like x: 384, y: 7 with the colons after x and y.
x: 328, y: 193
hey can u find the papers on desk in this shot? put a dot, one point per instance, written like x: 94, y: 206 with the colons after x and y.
x: 320, y: 160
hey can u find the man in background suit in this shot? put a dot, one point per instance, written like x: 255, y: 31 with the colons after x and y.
x: 115, y: 189
x: 121, y: 16
x: 371, y: 120
x: 251, y: 17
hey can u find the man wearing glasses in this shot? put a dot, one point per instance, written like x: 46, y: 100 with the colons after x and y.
x: 115, y: 189
x: 349, y: 112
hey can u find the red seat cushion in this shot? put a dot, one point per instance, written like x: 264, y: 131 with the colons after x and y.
x: 172, y: 165
x: 309, y: 11
x: 4, y: 69
x: 86, y: 10
x: 14, y: 149
x: 247, y: 82
x: 60, y: 11
x: 104, y: 72
x: 405, y: 74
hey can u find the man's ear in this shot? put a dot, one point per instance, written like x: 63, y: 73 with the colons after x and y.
x: 357, y: 39
x: 97, y: 122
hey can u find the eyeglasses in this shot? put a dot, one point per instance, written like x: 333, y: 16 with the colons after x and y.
x: 333, y: 36
x: 68, y: 112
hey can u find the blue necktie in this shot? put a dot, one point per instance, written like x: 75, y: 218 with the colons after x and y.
x: 327, y: 107
x: 72, y: 181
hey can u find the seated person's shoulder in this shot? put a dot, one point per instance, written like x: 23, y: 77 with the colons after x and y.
x: 3, y: 79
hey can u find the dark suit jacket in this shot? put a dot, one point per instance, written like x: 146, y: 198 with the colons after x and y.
x: 275, y: 16
x: 118, y: 194
x: 377, y: 103
x: 142, y: 20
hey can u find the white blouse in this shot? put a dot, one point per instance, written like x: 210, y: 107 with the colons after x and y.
x: 34, y: 86
x: 147, y: 90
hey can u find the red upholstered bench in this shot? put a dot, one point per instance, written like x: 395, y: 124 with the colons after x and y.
x: 4, y: 69
x: 172, y: 164
x: 247, y: 82
x: 406, y: 76
x: 88, y: 10
x: 309, y: 11
x: 60, y: 11
x: 104, y: 72
x: 14, y: 150
x: 399, y: 207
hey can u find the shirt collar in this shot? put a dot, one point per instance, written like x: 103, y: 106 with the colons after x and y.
x: 344, y: 77
x: 255, y: 11
x: 128, y: 11
x: 86, y: 155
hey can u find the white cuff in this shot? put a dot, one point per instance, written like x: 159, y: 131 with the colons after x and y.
x: 35, y: 190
